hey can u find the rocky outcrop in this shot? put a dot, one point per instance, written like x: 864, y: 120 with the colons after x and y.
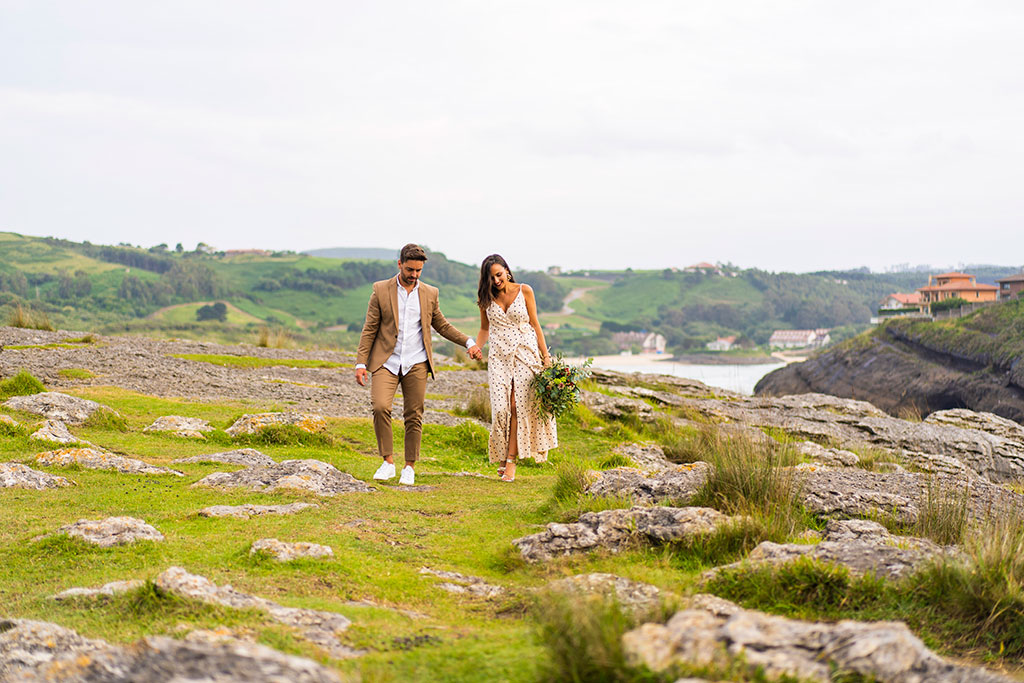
x: 16, y: 475
x: 56, y: 406
x: 286, y: 552
x: 35, y: 650
x: 852, y: 424
x: 247, y: 511
x: 57, y: 432
x: 713, y: 631
x: 93, y: 459
x: 617, y: 407
x: 986, y: 422
x: 252, y: 423
x: 111, y: 531
x: 648, y: 457
x: 862, y: 546
x: 314, y: 476
x: 321, y: 628
x: 455, y: 582
x: 249, y: 457
x: 107, y: 590
x: 9, y: 421
x: 616, y: 530
x: 897, y: 373
x: 677, y: 485
x: 188, y: 427
x: 633, y: 596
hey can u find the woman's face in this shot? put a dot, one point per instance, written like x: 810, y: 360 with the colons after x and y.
x: 499, y: 276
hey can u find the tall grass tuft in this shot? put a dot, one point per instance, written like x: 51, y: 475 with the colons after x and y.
x: 29, y: 319
x: 21, y: 384
x: 106, y: 419
x: 570, y: 482
x: 478, y: 405
x: 944, y: 515
x: 278, y: 338
x: 284, y: 435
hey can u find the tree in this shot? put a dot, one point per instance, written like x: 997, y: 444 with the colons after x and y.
x: 218, y: 311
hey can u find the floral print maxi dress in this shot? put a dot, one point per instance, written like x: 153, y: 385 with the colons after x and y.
x: 513, y: 362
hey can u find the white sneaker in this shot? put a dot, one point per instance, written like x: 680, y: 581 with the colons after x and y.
x: 408, y: 476
x: 385, y: 471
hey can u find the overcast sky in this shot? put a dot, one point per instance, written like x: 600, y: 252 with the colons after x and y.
x: 781, y: 134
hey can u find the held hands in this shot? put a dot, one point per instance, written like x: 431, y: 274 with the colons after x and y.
x: 476, y: 353
x: 361, y: 375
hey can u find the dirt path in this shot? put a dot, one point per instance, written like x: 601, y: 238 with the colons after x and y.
x: 577, y: 293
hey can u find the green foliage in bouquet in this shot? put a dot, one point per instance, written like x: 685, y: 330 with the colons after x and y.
x: 557, y: 386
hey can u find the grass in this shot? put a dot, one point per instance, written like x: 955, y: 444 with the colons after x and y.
x: 478, y: 405
x: 277, y: 338
x: 21, y: 384
x: 29, y: 319
x: 75, y: 373
x: 229, y: 361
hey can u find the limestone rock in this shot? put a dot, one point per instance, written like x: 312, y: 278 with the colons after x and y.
x: 107, y: 590
x: 250, y: 457
x: 853, y: 423
x: 649, y: 457
x: 56, y: 431
x: 663, y: 397
x: 56, y: 406
x: 829, y: 456
x: 8, y: 420
x: 888, y: 651
x: 34, y: 650
x: 316, y: 476
x: 111, y: 531
x: 615, y: 530
x: 633, y: 596
x: 189, y: 427
x: 252, y: 423
x: 680, y: 385
x: 16, y: 475
x: 247, y: 511
x: 986, y: 422
x: 93, y: 459
x: 859, y: 545
x: 617, y: 407
x: 461, y: 583
x: 321, y: 628
x: 286, y: 552
x: 677, y: 485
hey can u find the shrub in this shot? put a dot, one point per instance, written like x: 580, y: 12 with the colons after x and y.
x: 21, y: 384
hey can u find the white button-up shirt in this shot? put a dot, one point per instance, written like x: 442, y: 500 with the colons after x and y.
x: 409, y: 348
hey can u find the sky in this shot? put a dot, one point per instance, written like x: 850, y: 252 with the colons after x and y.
x: 788, y: 135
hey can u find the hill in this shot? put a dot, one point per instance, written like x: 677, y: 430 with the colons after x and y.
x: 360, y: 253
x: 918, y: 367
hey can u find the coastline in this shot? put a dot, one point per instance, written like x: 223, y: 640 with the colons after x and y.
x: 640, y: 359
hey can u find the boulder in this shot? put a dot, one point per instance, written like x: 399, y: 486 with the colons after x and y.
x: 860, y: 545
x: 111, y: 531
x: 461, y: 583
x: 252, y: 423
x: 633, y: 596
x: 315, y: 476
x: 15, y: 475
x: 617, y: 407
x: 677, y: 485
x: 711, y: 632
x: 56, y: 406
x: 828, y: 456
x: 321, y: 628
x: 249, y: 457
x: 986, y: 422
x: 649, y: 457
x: 247, y: 511
x: 286, y: 552
x: 35, y: 650
x: 188, y: 427
x: 57, y: 432
x: 9, y: 421
x: 616, y: 530
x: 93, y: 459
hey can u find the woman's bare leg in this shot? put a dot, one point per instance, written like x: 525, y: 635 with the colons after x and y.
x: 513, y: 438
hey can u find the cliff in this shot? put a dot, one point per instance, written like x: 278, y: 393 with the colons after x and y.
x: 911, y: 366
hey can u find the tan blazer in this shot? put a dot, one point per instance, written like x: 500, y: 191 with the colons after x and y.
x: 380, y: 331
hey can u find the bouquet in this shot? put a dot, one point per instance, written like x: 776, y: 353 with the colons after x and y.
x: 557, y: 386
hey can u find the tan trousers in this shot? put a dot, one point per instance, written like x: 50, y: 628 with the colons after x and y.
x: 382, y: 396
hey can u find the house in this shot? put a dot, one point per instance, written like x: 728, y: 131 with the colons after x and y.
x: 952, y: 285
x: 895, y: 302
x: 649, y: 342
x: 722, y: 343
x: 1011, y: 287
x: 799, y: 339
x: 704, y: 267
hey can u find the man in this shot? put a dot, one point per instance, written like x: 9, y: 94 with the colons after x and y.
x: 395, y: 349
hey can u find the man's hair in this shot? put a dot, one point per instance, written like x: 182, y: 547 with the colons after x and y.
x: 412, y: 252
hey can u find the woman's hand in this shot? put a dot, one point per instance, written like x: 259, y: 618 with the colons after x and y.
x: 546, y: 359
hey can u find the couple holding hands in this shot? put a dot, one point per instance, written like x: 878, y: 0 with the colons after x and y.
x: 395, y: 350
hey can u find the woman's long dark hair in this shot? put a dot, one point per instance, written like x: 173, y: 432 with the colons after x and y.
x: 485, y: 292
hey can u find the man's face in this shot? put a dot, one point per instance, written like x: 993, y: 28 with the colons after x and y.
x: 409, y: 271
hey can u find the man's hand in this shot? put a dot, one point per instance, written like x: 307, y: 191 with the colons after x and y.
x: 361, y: 375
x: 475, y: 352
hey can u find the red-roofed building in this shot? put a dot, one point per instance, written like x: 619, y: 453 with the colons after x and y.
x: 1010, y: 287
x: 722, y: 343
x: 899, y: 300
x: 799, y: 339
x: 952, y: 285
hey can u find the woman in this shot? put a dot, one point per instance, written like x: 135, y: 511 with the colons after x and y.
x: 508, y: 315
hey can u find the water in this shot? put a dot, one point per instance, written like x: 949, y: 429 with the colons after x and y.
x: 738, y: 378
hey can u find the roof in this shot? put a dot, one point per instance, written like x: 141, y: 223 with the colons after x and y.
x: 730, y: 338
x: 952, y: 275
x: 1019, y: 277
x: 704, y: 264
x: 914, y: 298
x: 952, y: 287
x: 792, y: 335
